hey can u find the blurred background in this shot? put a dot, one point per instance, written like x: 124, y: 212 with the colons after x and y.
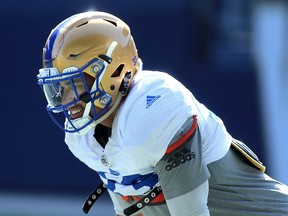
x: 231, y: 54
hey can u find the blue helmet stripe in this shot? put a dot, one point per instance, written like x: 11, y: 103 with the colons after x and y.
x: 49, y: 47
x: 50, y: 43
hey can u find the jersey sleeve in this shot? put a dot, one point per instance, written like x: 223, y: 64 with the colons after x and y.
x: 183, y: 169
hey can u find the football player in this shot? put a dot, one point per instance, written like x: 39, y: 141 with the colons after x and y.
x: 157, y: 149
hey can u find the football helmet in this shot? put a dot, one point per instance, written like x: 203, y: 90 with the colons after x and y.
x: 91, y: 44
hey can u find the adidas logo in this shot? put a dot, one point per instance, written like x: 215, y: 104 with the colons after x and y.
x: 151, y: 99
x: 181, y: 157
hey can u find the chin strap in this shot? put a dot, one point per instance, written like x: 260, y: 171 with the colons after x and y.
x: 122, y: 92
x: 83, y: 120
x: 93, y: 88
x: 93, y: 197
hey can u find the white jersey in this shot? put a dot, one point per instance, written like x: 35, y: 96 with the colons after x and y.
x: 155, y: 108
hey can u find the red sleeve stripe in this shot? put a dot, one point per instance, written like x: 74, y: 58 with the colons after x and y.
x: 181, y: 140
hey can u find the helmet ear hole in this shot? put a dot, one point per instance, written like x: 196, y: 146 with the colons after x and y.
x: 112, y: 87
x: 118, y: 71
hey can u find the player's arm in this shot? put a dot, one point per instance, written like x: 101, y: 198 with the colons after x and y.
x: 192, y: 203
x: 183, y: 175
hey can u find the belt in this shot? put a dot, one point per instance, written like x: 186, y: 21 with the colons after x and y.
x: 155, y: 195
x: 93, y: 197
x: 146, y: 200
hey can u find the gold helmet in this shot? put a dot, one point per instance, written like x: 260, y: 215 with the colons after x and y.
x: 94, y: 44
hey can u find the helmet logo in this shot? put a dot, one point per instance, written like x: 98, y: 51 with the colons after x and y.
x: 134, y: 59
